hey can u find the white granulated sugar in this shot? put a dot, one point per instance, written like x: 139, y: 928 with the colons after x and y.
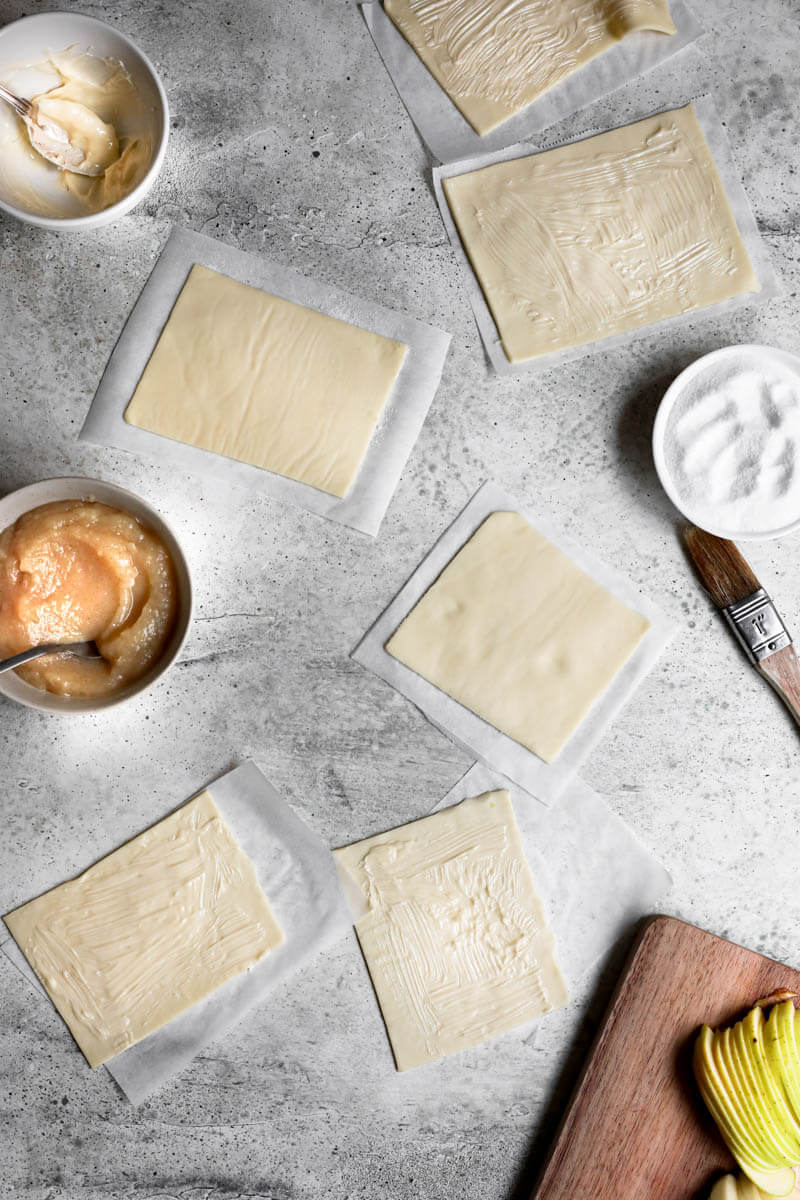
x: 732, y: 444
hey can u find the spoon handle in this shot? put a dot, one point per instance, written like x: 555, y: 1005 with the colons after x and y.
x: 8, y: 664
x: 21, y: 106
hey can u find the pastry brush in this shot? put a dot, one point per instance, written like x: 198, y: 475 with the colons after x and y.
x: 749, y: 612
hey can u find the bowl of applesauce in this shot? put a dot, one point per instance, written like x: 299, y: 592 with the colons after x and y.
x: 84, y: 560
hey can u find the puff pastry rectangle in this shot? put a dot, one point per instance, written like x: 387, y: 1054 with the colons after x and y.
x: 601, y: 236
x: 517, y: 633
x: 495, y: 57
x: 454, y: 935
x: 266, y: 381
x: 148, y: 931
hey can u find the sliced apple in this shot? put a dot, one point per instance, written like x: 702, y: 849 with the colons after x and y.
x: 769, y: 1097
x: 759, y: 1120
x: 781, y: 1033
x: 762, y: 1195
x: 720, y: 1095
x: 770, y: 1175
x: 777, y: 1050
x: 774, y: 1079
x: 762, y: 1154
x: 749, y: 1077
x: 739, y: 1187
x: 781, y: 1182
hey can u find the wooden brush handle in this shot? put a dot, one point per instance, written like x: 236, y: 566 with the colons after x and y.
x: 782, y: 670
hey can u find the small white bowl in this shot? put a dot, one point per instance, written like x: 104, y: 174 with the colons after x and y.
x: 661, y: 426
x: 15, y: 504
x: 29, y: 40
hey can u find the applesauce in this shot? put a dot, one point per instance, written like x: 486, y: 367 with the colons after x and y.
x: 78, y: 570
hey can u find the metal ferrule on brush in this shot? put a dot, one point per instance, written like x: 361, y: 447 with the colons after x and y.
x: 757, y: 626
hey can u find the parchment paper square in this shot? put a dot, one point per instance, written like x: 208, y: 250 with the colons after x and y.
x: 593, y: 875
x: 404, y: 414
x: 449, y: 136
x: 493, y: 748
x: 740, y: 205
x: 298, y: 874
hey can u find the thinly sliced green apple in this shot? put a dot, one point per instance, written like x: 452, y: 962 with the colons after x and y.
x: 753, y: 1150
x: 762, y: 1154
x: 760, y: 1121
x: 739, y: 1187
x: 777, y: 1049
x: 788, y: 1025
x: 772, y: 1176
x: 716, y: 1090
x: 793, y: 1195
x: 719, y: 1093
x: 772, y: 1105
x: 775, y: 1075
x: 782, y: 1026
x: 781, y: 1182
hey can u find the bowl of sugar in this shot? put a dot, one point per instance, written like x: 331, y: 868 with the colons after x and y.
x: 726, y: 442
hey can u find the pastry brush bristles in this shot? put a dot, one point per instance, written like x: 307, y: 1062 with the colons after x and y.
x: 723, y: 571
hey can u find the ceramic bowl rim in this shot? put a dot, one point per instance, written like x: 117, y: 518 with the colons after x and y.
x: 659, y: 441
x: 123, y: 206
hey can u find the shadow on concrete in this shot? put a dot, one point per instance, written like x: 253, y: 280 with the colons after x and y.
x: 641, y: 395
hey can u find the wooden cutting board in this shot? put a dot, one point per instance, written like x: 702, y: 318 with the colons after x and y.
x: 636, y: 1128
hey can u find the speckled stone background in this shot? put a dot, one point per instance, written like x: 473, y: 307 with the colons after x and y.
x: 288, y: 139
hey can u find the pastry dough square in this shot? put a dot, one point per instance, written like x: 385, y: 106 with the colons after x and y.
x: 148, y: 931
x: 517, y: 633
x: 265, y: 381
x: 494, y: 57
x: 602, y: 236
x: 454, y: 935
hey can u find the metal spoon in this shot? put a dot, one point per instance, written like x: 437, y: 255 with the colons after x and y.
x: 79, y: 649
x: 49, y: 138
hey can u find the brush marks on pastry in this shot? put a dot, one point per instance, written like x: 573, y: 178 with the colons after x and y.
x: 493, y: 57
x: 454, y: 934
x: 601, y: 236
x: 148, y: 931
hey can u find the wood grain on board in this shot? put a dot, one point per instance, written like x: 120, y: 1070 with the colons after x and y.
x: 635, y: 1127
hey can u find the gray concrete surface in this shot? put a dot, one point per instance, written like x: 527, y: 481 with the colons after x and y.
x: 288, y: 139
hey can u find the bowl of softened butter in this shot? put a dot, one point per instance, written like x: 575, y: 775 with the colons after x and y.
x: 84, y: 560
x: 726, y: 442
x: 97, y: 87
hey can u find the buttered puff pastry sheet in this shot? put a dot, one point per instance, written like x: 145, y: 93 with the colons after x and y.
x: 453, y: 932
x: 600, y: 237
x: 148, y: 931
x: 516, y: 632
x: 495, y: 57
x: 266, y: 381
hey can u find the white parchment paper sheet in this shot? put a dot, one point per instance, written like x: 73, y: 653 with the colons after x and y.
x: 495, y: 749
x: 594, y: 877
x: 740, y: 205
x: 365, y: 504
x: 450, y: 136
x: 298, y: 874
